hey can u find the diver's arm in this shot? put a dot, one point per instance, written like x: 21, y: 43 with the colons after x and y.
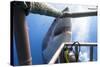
x: 44, y: 9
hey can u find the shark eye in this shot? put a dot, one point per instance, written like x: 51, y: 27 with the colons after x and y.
x: 58, y: 31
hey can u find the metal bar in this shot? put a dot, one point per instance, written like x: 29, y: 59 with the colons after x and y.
x: 91, y: 53
x: 81, y: 14
x: 76, y: 53
x: 56, y: 55
x: 83, y: 44
x: 21, y: 36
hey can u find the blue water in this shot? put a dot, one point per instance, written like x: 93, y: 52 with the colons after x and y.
x: 93, y: 29
x: 38, y: 26
x: 86, y: 31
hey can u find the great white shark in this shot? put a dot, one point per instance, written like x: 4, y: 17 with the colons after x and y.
x: 59, y: 32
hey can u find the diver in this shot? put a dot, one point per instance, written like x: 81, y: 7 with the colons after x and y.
x: 70, y: 54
